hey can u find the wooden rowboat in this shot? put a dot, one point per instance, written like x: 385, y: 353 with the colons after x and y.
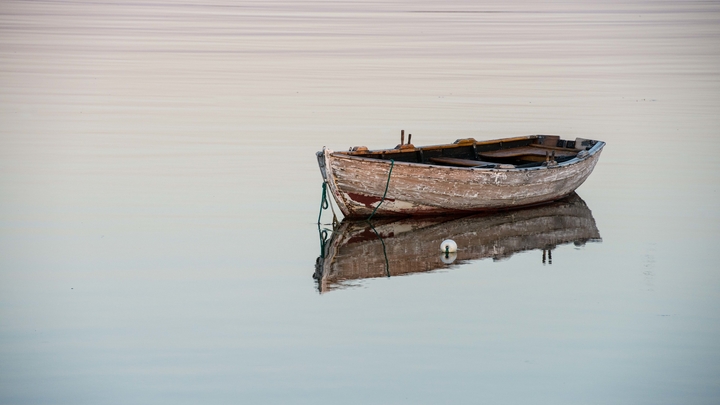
x: 357, y: 250
x: 462, y: 177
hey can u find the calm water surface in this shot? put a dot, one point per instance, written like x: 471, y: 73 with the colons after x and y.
x: 159, y: 193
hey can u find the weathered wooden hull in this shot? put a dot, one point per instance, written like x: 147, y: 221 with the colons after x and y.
x: 355, y: 250
x: 358, y: 184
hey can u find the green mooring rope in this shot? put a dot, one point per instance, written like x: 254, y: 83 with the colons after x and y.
x: 387, y: 264
x: 392, y: 164
x: 323, y: 201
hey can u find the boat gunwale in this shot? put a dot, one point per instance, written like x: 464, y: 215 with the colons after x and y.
x: 457, y: 144
x: 597, y: 147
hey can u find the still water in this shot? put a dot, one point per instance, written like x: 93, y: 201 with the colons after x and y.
x: 159, y: 196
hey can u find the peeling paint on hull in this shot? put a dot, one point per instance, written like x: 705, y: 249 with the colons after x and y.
x: 358, y: 184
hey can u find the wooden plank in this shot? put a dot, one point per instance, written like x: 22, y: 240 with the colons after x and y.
x: 535, y: 145
x: 506, y: 140
x: 524, y: 151
x: 550, y: 140
x: 459, y: 162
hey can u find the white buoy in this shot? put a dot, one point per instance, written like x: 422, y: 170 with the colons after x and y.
x: 448, y: 246
x: 448, y: 258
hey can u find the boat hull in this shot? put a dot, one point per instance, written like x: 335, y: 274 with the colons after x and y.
x: 358, y: 185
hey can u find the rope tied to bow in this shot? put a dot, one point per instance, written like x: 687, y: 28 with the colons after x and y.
x: 387, y: 184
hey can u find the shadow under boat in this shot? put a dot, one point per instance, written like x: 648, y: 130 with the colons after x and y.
x: 357, y: 250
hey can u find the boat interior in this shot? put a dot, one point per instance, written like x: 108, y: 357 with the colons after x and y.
x: 520, y: 152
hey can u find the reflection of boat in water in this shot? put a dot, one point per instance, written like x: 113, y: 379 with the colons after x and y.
x: 358, y: 250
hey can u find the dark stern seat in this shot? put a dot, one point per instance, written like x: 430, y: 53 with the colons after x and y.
x: 526, y: 151
x: 460, y: 162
